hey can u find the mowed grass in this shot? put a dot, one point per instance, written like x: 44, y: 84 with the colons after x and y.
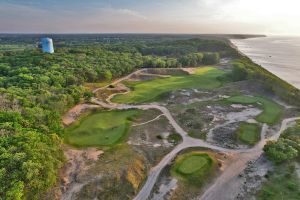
x: 249, y: 133
x: 271, y: 110
x: 193, y: 168
x: 100, y: 129
x: 145, y: 91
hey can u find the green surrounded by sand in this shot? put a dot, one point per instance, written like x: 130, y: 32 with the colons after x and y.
x: 193, y: 168
x: 271, y: 111
x: 146, y: 91
x: 104, y: 128
x: 249, y: 133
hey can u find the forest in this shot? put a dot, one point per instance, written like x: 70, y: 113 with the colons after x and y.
x: 36, y: 89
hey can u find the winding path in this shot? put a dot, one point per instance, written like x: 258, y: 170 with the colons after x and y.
x: 245, y: 155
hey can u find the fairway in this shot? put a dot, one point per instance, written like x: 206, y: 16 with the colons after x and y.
x: 100, y: 129
x: 193, y: 167
x: 271, y: 110
x: 249, y: 133
x: 145, y: 91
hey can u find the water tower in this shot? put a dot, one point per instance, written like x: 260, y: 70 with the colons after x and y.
x: 47, y: 45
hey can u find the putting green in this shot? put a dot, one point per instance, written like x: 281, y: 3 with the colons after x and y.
x: 192, y: 164
x: 271, y: 110
x: 145, y: 91
x: 249, y: 133
x: 100, y: 129
x: 193, y: 167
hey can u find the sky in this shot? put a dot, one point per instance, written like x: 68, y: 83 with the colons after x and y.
x: 270, y: 17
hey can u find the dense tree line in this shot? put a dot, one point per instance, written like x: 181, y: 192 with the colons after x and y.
x: 36, y: 89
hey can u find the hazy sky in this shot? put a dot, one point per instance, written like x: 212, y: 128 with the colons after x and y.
x: 276, y: 17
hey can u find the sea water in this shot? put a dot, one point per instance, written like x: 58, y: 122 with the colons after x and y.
x: 279, y: 55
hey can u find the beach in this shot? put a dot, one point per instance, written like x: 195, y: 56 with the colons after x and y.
x: 279, y: 55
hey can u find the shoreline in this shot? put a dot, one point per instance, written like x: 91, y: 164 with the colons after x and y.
x: 234, y: 46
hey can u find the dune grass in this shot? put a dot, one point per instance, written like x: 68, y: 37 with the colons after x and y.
x: 282, y: 183
x: 145, y: 91
x: 249, y: 133
x: 271, y: 110
x: 193, y: 168
x: 100, y: 129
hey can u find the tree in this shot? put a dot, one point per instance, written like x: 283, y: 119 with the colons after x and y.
x: 282, y: 150
x: 211, y: 58
x: 239, y: 72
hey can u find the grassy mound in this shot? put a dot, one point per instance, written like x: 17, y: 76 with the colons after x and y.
x: 271, y: 110
x: 249, y: 133
x: 100, y: 129
x: 193, y: 168
x: 145, y: 91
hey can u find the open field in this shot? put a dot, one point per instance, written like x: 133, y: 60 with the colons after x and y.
x: 271, y: 110
x: 100, y: 129
x: 249, y: 133
x: 203, y: 78
x: 193, y: 168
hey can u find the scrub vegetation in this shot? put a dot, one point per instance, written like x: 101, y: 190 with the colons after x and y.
x: 145, y: 91
x: 282, y: 183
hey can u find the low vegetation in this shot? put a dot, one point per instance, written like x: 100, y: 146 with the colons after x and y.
x: 282, y: 183
x: 100, y: 129
x: 145, y: 91
x: 271, y: 110
x: 249, y: 133
x: 287, y: 147
x: 193, y: 168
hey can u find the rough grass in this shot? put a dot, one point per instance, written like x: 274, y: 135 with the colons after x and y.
x: 100, y: 129
x: 193, y: 168
x: 249, y: 133
x: 145, y: 91
x: 271, y: 110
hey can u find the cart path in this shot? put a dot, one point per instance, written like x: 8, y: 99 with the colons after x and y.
x: 214, y: 191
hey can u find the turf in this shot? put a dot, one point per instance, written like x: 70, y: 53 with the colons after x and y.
x: 193, y: 168
x: 249, y: 133
x: 146, y: 91
x: 192, y: 164
x: 271, y: 110
x: 100, y: 129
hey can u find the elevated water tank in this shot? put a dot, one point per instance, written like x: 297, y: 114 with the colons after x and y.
x: 47, y: 45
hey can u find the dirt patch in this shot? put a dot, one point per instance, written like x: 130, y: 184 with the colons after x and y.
x: 167, y: 71
x: 78, y: 162
x: 103, y: 94
x: 74, y: 113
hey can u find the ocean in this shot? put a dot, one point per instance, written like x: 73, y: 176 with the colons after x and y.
x: 279, y: 55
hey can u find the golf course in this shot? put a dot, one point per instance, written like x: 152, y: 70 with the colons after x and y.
x: 147, y: 91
